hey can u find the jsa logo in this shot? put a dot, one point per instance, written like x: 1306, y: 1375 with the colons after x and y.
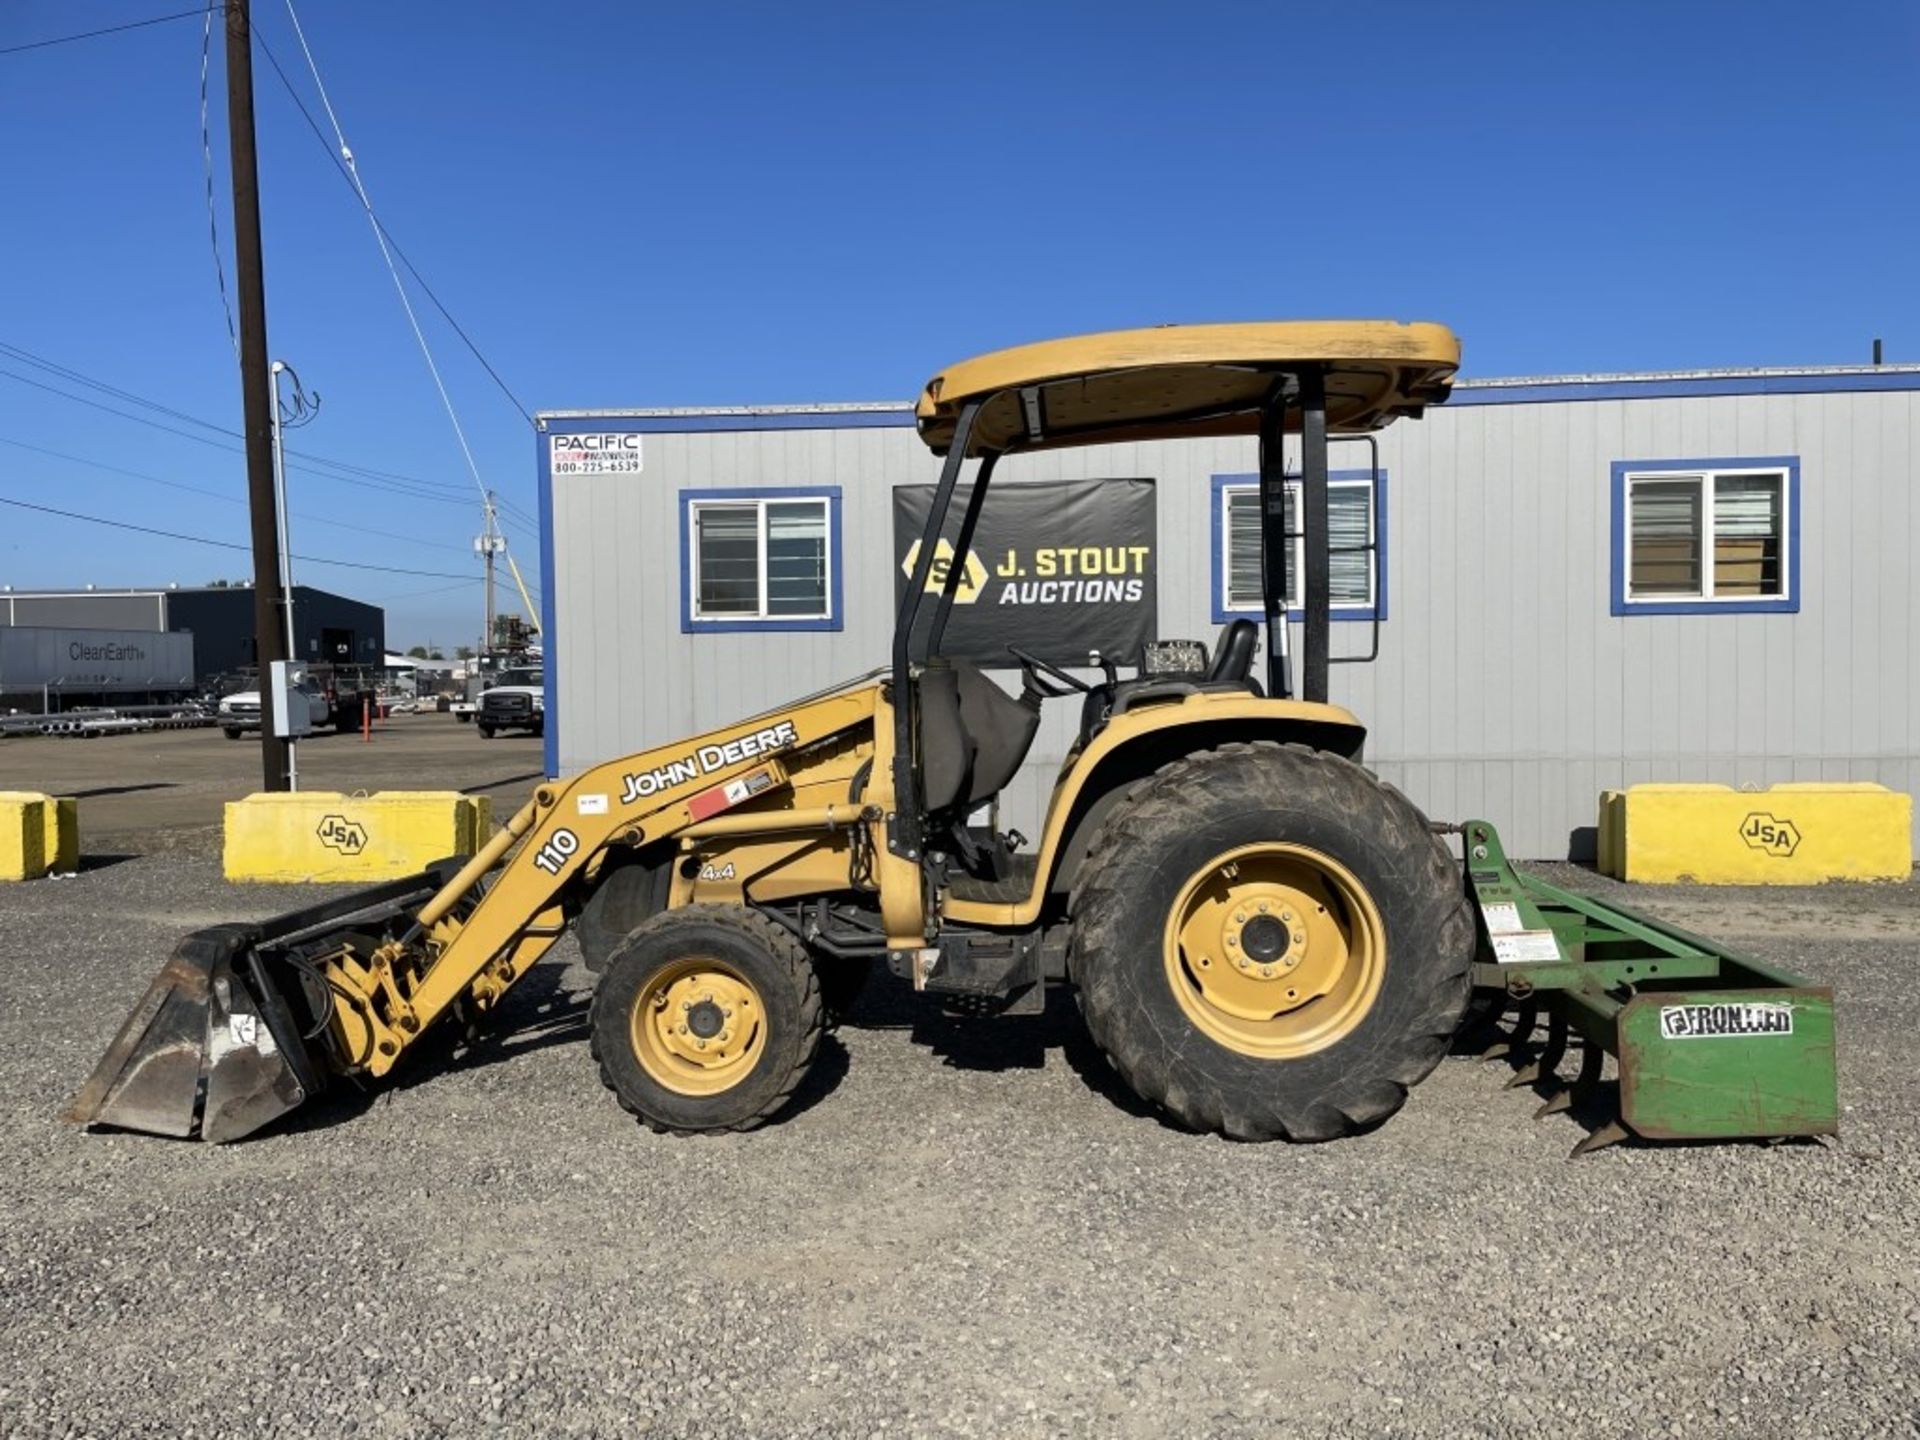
x: 337, y: 832
x: 1763, y: 832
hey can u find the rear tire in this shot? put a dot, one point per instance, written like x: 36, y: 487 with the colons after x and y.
x: 631, y: 889
x: 1364, y: 958
x: 232, y: 734
x: 717, y: 966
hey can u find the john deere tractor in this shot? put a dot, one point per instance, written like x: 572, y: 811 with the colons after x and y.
x: 1265, y: 939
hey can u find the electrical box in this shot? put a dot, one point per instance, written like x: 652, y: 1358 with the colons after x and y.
x: 292, y: 715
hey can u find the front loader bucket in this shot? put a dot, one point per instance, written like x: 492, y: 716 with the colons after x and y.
x: 212, y: 1049
x: 220, y: 1043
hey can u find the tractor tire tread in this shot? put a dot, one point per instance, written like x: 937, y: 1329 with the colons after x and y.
x: 787, y: 953
x: 1125, y: 1027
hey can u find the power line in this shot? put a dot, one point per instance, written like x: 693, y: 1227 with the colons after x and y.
x: 77, y: 377
x: 436, y: 590
x: 419, y: 279
x: 223, y: 496
x: 225, y: 544
x: 516, y: 512
x: 413, y: 321
x: 206, y: 157
x: 406, y: 304
x: 52, y: 367
x: 381, y: 485
x: 110, y: 30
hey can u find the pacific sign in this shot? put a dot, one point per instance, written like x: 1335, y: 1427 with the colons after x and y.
x: 611, y: 452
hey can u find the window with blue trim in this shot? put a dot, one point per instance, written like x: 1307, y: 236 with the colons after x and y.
x: 763, y: 559
x: 1706, y: 536
x: 1355, y: 539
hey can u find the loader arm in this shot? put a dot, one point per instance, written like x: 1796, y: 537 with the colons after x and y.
x: 245, y: 1022
x: 474, y: 939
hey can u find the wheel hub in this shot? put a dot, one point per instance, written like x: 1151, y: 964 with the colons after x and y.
x: 1275, y: 949
x: 697, y: 1027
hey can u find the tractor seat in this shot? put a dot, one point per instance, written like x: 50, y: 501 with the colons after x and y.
x: 1231, y: 669
x: 973, y: 736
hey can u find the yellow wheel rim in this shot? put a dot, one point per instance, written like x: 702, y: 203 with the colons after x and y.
x: 1275, y: 950
x: 698, y: 1027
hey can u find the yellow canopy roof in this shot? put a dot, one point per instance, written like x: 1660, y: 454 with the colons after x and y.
x: 1182, y: 380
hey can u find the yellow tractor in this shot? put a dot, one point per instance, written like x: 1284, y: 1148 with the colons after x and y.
x: 1266, y: 940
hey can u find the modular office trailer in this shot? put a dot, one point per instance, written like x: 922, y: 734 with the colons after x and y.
x: 1580, y: 583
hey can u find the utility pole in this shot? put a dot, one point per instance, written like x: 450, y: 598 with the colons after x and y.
x: 489, y: 545
x: 256, y: 390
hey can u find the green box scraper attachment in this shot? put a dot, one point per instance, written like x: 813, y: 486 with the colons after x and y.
x: 1710, y: 1044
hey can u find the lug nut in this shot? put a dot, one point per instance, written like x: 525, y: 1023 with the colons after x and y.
x: 1266, y: 972
x: 681, y: 1029
x: 1263, y: 907
x: 1233, y: 942
x: 700, y: 1044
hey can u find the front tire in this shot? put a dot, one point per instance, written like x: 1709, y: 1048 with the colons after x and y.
x: 1270, y: 943
x: 706, y: 1019
x: 486, y: 732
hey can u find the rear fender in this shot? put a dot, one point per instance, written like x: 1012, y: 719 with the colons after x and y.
x: 1132, y: 747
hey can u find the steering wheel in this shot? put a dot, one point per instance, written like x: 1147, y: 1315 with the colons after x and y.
x: 1031, y: 663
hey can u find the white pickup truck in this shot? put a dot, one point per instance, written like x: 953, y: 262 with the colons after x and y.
x: 515, y: 701
x: 240, y: 711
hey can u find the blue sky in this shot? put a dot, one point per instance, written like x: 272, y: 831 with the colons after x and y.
x: 631, y: 204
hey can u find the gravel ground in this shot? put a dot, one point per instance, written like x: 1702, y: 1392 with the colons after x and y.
x: 963, y: 1230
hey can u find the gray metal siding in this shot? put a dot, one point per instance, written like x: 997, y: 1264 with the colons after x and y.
x: 92, y: 661
x: 1505, y: 688
x: 119, y: 610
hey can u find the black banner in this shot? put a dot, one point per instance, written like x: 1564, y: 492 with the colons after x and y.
x: 1059, y: 568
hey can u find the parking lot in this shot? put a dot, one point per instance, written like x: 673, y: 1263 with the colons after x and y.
x: 964, y: 1228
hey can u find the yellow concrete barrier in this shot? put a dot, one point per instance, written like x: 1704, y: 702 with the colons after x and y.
x: 39, y: 835
x: 1788, y: 835
x: 322, y: 835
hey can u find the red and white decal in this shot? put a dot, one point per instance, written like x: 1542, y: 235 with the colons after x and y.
x: 737, y: 791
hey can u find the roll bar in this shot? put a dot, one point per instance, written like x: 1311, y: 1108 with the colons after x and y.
x: 1306, y: 388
